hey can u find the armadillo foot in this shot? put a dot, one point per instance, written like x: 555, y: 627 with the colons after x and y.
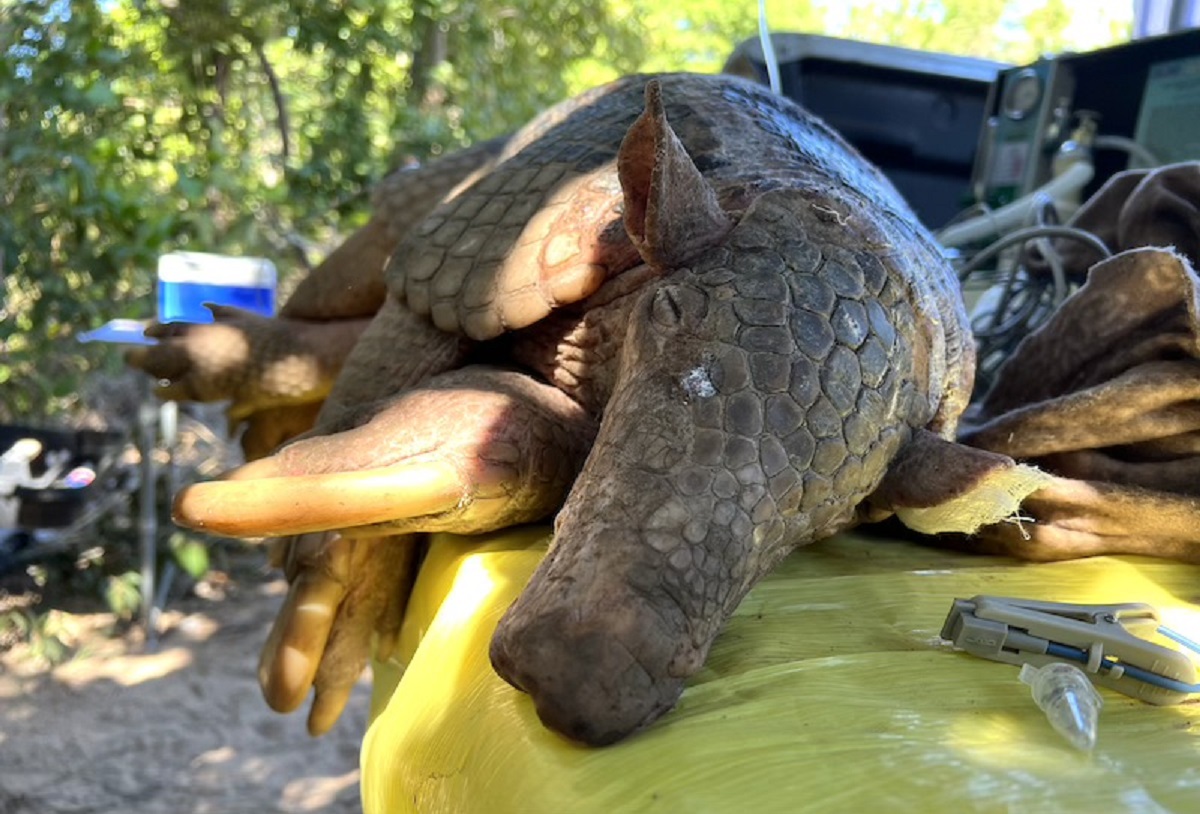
x: 471, y: 450
x: 344, y: 596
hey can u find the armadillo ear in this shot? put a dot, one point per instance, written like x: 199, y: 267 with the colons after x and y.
x: 671, y: 212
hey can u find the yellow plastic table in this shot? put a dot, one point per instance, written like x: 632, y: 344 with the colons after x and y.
x: 829, y: 691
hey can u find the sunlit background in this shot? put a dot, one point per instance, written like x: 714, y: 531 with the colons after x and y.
x: 131, y: 128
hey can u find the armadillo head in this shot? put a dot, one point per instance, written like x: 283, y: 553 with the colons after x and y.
x: 767, y: 379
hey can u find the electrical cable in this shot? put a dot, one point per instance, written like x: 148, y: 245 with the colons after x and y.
x: 1180, y: 638
x: 998, y: 221
x: 1019, y: 300
x: 768, y: 48
x: 1029, y: 233
x: 1047, y: 215
x: 1022, y: 300
x: 1142, y: 157
x: 1063, y: 651
x: 1018, y: 303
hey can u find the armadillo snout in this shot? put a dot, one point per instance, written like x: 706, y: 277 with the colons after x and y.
x: 595, y: 674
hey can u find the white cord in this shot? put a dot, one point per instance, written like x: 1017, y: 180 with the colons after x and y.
x: 1142, y: 157
x: 768, y: 49
x: 1010, y: 216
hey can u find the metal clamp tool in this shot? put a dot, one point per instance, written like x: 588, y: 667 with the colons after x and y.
x: 1097, y: 638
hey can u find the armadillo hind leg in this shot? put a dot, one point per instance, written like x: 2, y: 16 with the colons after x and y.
x: 469, y: 451
x: 397, y: 351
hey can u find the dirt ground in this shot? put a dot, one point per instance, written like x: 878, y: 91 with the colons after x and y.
x: 177, y: 730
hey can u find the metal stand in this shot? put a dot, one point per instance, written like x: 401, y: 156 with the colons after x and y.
x: 156, y: 423
x: 148, y: 512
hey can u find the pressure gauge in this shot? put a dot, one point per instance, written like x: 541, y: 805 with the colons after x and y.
x: 1022, y: 95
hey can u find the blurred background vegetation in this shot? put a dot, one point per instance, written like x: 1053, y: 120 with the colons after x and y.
x: 129, y: 128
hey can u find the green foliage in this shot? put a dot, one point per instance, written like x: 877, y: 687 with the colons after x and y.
x: 105, y: 576
x: 190, y: 554
x: 129, y: 128
x: 994, y: 29
x: 16, y: 625
x: 40, y: 630
x: 69, y: 225
x: 122, y: 594
x: 47, y: 634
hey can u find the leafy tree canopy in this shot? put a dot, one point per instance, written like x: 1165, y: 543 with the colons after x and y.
x: 129, y: 128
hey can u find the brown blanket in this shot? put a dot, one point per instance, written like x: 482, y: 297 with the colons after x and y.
x: 1105, y: 396
x: 1138, y: 208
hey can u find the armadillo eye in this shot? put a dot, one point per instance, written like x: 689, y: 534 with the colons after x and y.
x: 674, y: 305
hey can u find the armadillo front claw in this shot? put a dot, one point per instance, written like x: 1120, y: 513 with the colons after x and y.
x: 343, y: 594
x: 468, y: 451
x: 248, y: 505
x: 293, y: 649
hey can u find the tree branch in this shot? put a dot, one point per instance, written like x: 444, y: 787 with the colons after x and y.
x: 429, y: 52
x: 280, y: 101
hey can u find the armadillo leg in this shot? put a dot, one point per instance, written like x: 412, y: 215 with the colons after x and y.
x: 937, y: 486
x: 397, y: 351
x: 471, y: 450
x: 1068, y: 519
x: 342, y: 594
x: 983, y: 501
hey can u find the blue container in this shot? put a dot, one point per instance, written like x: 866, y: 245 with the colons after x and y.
x: 187, y: 280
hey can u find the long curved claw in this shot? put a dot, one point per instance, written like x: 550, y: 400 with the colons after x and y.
x: 472, y: 450
x: 254, y: 501
x: 344, y: 597
x: 292, y: 653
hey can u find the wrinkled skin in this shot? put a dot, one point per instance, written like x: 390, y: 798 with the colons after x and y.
x: 746, y: 309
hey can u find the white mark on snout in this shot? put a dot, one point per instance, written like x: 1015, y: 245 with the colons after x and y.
x: 696, y: 383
